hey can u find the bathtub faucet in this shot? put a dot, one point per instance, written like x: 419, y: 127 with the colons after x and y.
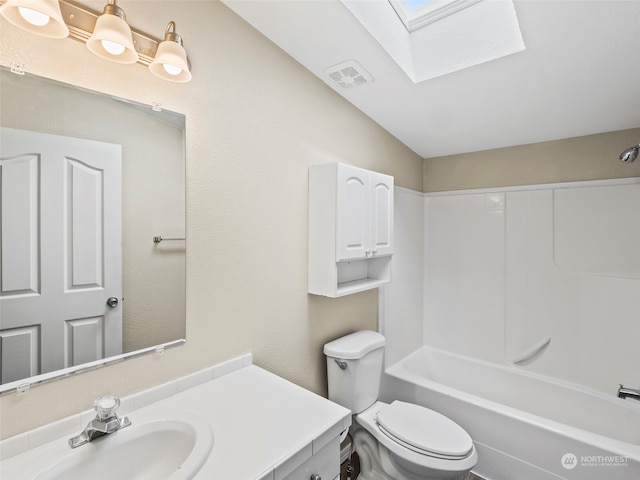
x: 624, y: 392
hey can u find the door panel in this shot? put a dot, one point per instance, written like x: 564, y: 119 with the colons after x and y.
x: 352, y: 235
x: 19, y: 180
x: 84, y: 340
x: 382, y: 214
x: 19, y: 353
x: 83, y: 217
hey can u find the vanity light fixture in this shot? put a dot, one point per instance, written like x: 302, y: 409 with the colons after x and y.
x: 111, y: 38
x: 171, y: 62
x: 42, y: 17
x: 107, y: 35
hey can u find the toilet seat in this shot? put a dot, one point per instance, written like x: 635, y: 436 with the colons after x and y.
x: 424, y: 431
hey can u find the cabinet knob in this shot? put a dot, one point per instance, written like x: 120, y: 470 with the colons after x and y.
x: 374, y: 252
x: 315, y: 476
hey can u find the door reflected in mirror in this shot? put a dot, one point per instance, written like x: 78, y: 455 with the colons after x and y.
x: 88, y: 181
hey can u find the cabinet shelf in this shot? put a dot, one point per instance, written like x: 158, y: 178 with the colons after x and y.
x: 356, y: 286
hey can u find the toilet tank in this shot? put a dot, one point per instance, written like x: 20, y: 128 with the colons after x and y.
x: 354, y: 369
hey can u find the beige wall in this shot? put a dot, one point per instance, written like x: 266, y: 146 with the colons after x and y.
x: 256, y: 120
x: 591, y: 157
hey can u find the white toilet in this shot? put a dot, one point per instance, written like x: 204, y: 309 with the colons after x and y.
x: 397, y: 441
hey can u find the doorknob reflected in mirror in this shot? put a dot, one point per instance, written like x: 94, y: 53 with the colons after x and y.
x: 112, y: 302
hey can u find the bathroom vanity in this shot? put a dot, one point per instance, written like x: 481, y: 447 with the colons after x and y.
x: 248, y: 424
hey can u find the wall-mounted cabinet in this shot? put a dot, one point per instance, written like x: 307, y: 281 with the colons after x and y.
x: 350, y: 229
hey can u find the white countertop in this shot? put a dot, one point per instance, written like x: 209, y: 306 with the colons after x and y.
x: 264, y: 426
x: 259, y: 421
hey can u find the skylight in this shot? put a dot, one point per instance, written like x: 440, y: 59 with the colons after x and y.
x: 413, y: 4
x: 418, y: 13
x: 431, y: 38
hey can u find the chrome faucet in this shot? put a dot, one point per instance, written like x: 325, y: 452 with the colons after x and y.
x: 624, y: 392
x: 106, y: 421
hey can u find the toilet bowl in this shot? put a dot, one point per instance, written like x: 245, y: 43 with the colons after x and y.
x: 403, y: 441
x: 397, y: 440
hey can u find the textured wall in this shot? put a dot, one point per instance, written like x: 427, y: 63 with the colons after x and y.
x: 591, y: 157
x: 256, y: 120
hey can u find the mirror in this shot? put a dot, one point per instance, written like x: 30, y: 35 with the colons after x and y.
x: 88, y: 180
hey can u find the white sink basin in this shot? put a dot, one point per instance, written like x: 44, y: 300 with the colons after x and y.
x: 162, y: 449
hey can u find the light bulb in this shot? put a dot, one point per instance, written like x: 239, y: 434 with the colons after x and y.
x: 171, y: 69
x: 112, y: 47
x: 34, y: 17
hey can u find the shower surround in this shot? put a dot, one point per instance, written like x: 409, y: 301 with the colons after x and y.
x: 538, y: 280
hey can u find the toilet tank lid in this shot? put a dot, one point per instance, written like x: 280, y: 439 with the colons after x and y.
x: 355, y: 345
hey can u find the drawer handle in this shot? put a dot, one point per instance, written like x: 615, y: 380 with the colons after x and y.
x: 315, y: 476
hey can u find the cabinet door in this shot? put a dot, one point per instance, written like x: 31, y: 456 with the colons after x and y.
x: 381, y: 214
x: 324, y: 463
x: 352, y: 216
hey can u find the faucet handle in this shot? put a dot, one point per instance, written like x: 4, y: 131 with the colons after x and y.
x: 105, y: 406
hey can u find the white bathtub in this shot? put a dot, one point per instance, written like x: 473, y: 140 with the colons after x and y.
x: 525, y: 426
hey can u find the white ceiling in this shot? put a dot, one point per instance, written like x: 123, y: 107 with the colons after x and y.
x: 579, y: 74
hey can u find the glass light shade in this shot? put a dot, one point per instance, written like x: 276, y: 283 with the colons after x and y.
x: 24, y: 14
x: 171, y: 57
x: 111, y: 29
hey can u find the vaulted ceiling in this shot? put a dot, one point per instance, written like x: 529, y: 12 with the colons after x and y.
x: 578, y: 74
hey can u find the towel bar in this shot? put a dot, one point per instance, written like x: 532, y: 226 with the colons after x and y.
x: 158, y: 239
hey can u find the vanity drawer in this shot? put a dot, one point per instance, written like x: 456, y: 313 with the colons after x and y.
x: 325, y: 463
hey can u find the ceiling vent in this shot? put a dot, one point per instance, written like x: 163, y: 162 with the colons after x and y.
x: 349, y: 74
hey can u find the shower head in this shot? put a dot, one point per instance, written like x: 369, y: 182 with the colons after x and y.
x: 630, y: 154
